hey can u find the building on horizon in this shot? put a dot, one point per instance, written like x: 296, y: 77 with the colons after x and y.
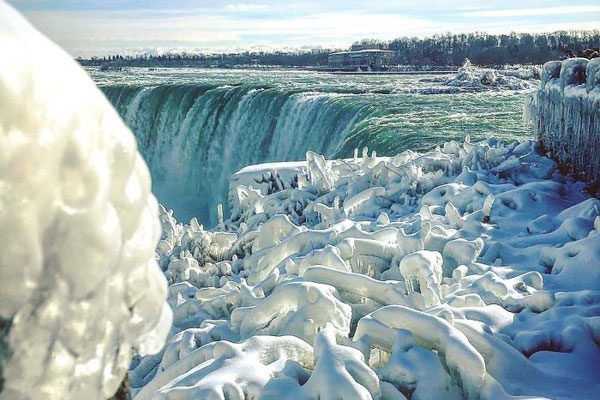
x: 373, y: 59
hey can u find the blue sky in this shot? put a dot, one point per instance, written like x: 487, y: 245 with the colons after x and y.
x: 86, y: 27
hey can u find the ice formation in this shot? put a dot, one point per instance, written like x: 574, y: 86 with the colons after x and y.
x: 470, y: 78
x: 80, y: 288
x: 471, y: 271
x: 565, y: 111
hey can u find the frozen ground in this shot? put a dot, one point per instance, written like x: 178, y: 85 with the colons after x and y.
x: 471, y: 271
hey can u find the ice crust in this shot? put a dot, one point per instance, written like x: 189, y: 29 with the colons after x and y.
x: 565, y: 111
x: 80, y: 288
x: 471, y: 271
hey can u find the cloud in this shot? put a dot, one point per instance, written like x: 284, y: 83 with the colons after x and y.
x: 336, y: 25
x: 527, y: 12
x: 213, y: 25
x: 249, y: 8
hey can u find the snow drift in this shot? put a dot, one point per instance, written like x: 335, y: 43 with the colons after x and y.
x: 470, y: 271
x: 80, y: 289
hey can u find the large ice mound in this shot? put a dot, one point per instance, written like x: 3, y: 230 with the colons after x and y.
x: 470, y: 78
x: 80, y: 288
x: 471, y: 271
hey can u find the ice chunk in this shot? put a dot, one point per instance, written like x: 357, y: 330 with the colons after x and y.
x: 228, y: 370
x: 426, y: 267
x: 296, y: 308
x: 379, y: 328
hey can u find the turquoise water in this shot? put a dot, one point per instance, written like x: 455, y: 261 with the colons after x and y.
x: 196, y: 127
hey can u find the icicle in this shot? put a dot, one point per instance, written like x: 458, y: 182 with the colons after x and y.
x: 453, y: 216
x: 487, y: 207
x: 409, y: 285
x: 220, y: 213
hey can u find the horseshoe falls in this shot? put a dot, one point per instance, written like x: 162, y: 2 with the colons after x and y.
x: 195, y: 128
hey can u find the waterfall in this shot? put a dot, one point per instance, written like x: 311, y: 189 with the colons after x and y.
x: 194, y: 137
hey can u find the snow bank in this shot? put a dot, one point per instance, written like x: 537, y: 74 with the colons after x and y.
x: 565, y: 111
x: 469, y: 271
x: 80, y: 289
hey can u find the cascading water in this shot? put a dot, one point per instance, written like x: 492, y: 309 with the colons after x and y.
x: 195, y: 135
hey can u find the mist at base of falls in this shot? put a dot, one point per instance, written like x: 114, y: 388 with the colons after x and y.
x: 197, y: 127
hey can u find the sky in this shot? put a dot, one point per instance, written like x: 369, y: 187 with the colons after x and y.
x: 101, y: 27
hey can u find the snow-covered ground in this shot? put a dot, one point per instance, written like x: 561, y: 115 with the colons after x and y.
x: 471, y: 271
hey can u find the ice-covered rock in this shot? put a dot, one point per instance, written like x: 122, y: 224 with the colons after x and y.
x: 422, y: 270
x: 465, y: 363
x: 80, y: 290
x: 295, y: 308
x: 416, y: 370
x: 340, y: 372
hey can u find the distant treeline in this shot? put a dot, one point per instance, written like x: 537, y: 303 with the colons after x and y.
x: 226, y: 60
x: 438, y: 50
x: 486, y: 49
